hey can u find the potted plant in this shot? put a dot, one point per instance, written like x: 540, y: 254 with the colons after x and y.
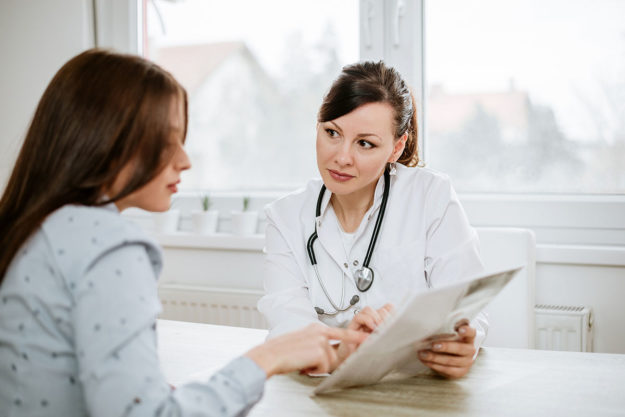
x: 205, y: 221
x: 244, y: 221
x: 166, y: 221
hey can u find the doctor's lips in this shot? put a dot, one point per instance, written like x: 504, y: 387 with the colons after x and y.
x: 173, y: 187
x: 340, y: 176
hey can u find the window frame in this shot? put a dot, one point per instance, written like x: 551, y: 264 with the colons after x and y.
x: 394, y: 30
x: 556, y: 218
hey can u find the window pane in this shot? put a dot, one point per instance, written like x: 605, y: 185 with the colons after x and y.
x: 256, y: 72
x: 527, y: 96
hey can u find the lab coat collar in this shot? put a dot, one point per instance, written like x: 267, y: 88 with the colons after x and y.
x: 377, y: 196
x: 328, y: 233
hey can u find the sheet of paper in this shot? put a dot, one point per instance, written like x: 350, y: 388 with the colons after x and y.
x: 393, y: 345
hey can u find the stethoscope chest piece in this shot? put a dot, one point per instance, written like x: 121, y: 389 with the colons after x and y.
x: 363, y: 278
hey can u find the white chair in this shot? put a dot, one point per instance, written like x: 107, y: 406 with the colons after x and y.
x: 511, y: 313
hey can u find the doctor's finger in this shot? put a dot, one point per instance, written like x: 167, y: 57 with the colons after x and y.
x: 454, y: 348
x: 368, y: 311
x: 386, y: 311
x: 448, y: 371
x: 388, y: 307
x: 362, y: 321
x: 429, y: 357
x: 467, y: 332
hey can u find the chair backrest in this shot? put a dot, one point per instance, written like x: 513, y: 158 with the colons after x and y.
x: 511, y: 313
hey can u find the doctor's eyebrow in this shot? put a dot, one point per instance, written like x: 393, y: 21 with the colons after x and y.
x: 360, y: 135
x: 337, y: 127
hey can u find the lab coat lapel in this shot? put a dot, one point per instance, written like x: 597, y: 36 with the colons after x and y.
x: 331, y: 244
x: 328, y: 227
x: 330, y: 240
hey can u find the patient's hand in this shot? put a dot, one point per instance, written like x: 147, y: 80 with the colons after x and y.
x: 451, y: 358
x: 306, y: 349
x: 367, y: 320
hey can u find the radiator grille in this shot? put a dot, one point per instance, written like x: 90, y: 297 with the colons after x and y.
x: 211, y: 305
x: 567, y: 328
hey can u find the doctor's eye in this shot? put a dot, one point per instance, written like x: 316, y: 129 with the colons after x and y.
x: 332, y: 133
x: 365, y: 144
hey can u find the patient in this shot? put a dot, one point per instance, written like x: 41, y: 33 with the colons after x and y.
x: 78, y: 296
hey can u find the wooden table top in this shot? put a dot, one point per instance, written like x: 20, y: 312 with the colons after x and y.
x: 502, y: 382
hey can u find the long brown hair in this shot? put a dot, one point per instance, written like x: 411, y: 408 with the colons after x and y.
x: 374, y: 82
x: 100, y: 111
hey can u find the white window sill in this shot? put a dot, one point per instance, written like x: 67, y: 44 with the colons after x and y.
x: 217, y: 241
x: 545, y: 253
x: 581, y: 255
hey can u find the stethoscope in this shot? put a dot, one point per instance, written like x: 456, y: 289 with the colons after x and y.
x: 363, y: 277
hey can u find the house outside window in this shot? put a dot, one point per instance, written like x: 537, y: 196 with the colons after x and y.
x: 527, y: 97
x: 255, y: 81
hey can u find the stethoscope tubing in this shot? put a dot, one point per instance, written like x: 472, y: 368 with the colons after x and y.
x: 374, y: 237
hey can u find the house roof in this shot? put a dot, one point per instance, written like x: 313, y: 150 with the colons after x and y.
x: 191, y: 64
x: 449, y: 112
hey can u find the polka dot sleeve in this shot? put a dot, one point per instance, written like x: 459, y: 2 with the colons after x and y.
x: 115, y: 312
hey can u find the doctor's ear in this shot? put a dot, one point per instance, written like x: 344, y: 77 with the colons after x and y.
x: 398, y: 148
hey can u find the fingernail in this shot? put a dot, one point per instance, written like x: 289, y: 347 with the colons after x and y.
x: 423, y: 355
x: 462, y: 330
x: 437, y: 346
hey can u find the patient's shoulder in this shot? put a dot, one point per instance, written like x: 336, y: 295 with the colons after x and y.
x: 83, y: 234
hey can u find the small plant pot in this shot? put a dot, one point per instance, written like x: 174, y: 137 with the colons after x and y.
x: 244, y: 222
x: 205, y: 222
x: 167, y: 221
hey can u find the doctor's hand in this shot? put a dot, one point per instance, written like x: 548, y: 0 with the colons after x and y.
x: 451, y: 358
x: 307, y: 349
x: 367, y: 320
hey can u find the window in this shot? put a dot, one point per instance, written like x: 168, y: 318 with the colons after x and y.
x: 255, y: 72
x: 527, y: 96
x: 567, y: 58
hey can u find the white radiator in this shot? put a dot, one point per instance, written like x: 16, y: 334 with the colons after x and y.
x: 231, y: 307
x: 564, y: 328
x: 557, y: 327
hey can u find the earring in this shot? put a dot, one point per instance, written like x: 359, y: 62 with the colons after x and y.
x: 392, y: 170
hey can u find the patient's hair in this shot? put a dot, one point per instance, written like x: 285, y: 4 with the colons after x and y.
x: 374, y: 82
x: 100, y: 111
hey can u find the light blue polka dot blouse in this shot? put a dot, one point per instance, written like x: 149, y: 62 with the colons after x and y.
x: 78, y: 310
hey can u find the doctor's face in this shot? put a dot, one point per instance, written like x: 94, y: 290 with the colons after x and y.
x: 353, y: 150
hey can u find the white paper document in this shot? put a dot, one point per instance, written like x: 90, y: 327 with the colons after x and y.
x: 393, y: 345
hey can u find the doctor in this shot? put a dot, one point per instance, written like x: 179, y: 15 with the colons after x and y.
x: 375, y: 229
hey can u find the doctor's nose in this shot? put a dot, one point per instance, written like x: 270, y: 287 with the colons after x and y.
x: 344, y: 156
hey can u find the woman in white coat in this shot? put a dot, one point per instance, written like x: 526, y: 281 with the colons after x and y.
x: 317, y: 242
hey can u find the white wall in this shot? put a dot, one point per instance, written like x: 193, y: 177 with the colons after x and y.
x: 601, y: 287
x: 36, y: 38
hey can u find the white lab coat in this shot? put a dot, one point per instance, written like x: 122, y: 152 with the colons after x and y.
x: 425, y: 235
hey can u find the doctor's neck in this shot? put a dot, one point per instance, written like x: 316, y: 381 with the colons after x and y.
x: 351, y: 208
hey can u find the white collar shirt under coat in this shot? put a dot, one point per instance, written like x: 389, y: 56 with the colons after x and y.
x: 425, y: 237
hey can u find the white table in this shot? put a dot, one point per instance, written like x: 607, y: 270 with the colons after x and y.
x: 503, y: 382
